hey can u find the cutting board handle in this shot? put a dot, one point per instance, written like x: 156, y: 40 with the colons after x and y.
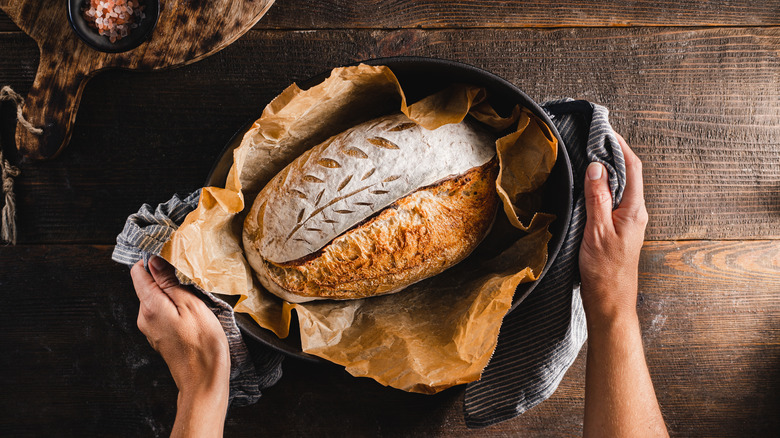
x: 51, y: 105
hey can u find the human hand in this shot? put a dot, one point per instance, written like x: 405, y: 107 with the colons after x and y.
x: 180, y: 327
x: 609, y: 254
x: 619, y: 396
x: 191, y: 341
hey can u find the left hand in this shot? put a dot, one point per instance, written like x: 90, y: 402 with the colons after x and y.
x: 182, y: 329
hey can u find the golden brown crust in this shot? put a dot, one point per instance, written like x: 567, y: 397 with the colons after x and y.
x: 416, y: 237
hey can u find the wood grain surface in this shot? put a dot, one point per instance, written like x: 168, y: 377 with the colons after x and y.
x: 394, y: 14
x: 500, y: 13
x: 700, y: 106
x: 708, y: 312
x: 185, y: 33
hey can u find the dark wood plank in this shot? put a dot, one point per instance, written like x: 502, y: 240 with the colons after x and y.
x: 698, y: 105
x: 393, y: 14
x: 76, y: 364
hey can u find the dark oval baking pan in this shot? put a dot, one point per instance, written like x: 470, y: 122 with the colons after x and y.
x: 420, y: 77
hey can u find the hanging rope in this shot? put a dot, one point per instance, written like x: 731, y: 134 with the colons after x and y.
x: 9, y: 172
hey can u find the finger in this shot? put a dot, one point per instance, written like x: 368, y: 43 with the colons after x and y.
x: 633, y: 194
x: 181, y: 297
x: 152, y: 297
x: 598, y: 199
x: 144, y: 284
x: 163, y: 273
x: 165, y: 277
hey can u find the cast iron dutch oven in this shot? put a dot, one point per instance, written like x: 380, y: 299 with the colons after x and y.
x: 420, y: 77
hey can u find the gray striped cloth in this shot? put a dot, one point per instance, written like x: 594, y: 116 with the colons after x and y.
x: 542, y: 337
x: 539, y: 340
x: 144, y: 234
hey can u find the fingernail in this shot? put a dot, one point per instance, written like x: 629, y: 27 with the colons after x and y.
x: 594, y: 171
x: 158, y: 263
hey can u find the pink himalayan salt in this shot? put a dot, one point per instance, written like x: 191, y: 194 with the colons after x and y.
x: 114, y: 18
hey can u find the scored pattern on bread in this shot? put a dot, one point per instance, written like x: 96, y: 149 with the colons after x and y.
x: 351, y: 176
x: 344, y: 183
x: 301, y: 221
x: 329, y: 163
x: 383, y: 143
x: 403, y: 126
x: 354, y: 152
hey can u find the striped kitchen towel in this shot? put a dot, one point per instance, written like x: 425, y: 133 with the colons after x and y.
x: 541, y: 338
x: 144, y: 234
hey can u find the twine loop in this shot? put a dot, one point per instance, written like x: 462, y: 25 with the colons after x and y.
x: 9, y: 172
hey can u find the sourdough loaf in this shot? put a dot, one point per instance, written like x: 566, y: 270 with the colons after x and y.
x: 373, y: 209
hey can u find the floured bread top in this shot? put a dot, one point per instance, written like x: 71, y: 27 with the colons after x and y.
x: 349, y: 177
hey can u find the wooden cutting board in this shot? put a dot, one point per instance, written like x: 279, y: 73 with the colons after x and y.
x: 186, y: 31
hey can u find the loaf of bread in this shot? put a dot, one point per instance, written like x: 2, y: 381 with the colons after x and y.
x: 373, y: 210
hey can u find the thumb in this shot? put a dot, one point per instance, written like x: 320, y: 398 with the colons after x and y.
x: 598, y: 199
x: 165, y: 276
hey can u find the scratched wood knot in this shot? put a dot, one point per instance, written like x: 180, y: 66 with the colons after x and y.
x: 186, y: 31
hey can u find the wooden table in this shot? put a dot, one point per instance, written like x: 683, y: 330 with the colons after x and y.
x: 694, y: 87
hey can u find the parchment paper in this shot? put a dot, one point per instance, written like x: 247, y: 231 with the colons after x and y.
x: 435, y: 334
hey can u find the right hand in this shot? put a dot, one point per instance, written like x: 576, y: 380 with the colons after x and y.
x: 609, y: 254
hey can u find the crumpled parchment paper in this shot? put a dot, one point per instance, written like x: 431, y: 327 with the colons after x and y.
x: 435, y: 334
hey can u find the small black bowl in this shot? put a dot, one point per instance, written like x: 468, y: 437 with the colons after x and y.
x: 99, y: 42
x: 421, y: 77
